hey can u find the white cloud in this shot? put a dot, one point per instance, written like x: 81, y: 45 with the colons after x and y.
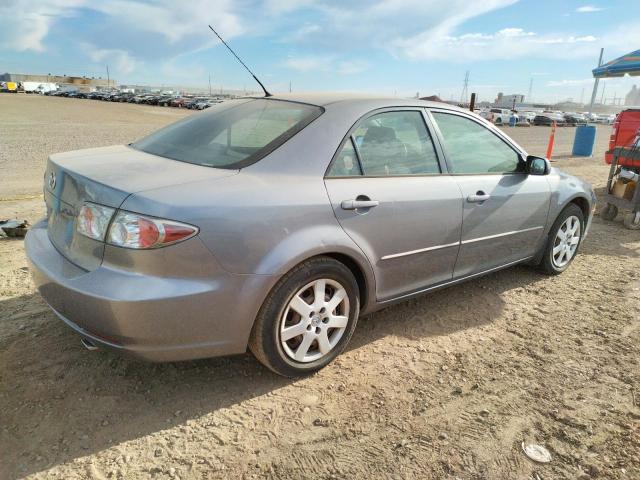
x: 25, y: 23
x: 588, y: 9
x: 507, y: 43
x: 140, y: 28
x: 120, y: 59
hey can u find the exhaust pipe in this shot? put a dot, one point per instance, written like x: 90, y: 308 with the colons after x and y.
x: 88, y: 344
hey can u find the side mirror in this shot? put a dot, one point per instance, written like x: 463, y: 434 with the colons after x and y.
x: 538, y: 165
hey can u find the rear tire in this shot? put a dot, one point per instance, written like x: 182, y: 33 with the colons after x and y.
x: 307, y: 319
x: 630, y: 222
x: 609, y: 211
x: 563, y: 241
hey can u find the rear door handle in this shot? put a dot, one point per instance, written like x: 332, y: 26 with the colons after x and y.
x: 479, y: 197
x: 355, y: 204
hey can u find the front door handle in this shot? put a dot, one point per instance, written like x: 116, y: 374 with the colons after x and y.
x: 356, y: 204
x: 479, y: 197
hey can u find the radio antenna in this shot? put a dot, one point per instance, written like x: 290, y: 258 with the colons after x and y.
x: 266, y: 93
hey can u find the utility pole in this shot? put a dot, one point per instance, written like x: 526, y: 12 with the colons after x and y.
x: 602, y: 96
x: 108, y: 79
x: 465, y: 88
x: 595, y: 84
x: 209, y: 84
x: 530, y: 95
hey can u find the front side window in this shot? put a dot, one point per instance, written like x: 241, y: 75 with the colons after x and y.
x: 472, y: 148
x: 233, y: 134
x: 388, y: 144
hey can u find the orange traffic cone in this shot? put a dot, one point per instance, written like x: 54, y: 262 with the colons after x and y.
x: 551, y: 139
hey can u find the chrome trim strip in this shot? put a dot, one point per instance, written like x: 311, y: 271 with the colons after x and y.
x: 479, y: 239
x: 457, y: 280
x: 413, y: 252
x: 455, y: 244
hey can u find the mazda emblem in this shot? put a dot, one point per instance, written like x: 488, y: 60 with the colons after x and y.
x: 52, y: 180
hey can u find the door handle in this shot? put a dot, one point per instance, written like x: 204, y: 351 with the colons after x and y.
x: 479, y: 197
x: 355, y: 204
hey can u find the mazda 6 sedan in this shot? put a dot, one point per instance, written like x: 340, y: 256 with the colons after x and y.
x: 274, y: 223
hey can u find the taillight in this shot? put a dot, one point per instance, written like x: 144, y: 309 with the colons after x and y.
x: 93, y: 220
x: 131, y: 230
x: 614, y: 134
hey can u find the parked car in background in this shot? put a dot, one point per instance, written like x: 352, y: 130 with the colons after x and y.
x: 204, y: 104
x: 165, y: 101
x: 501, y: 116
x: 179, y: 101
x: 528, y: 115
x: 548, y: 119
x: 194, y: 101
x: 140, y: 98
x: 195, y: 242
x: 575, y: 119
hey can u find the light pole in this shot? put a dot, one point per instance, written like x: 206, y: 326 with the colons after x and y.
x: 595, y: 85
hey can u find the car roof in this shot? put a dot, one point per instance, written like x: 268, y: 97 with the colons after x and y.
x: 325, y: 99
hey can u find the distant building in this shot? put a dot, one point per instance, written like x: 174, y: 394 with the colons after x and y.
x: 633, y: 97
x: 82, y: 84
x: 508, y: 101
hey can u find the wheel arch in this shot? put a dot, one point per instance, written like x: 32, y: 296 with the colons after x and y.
x: 358, y: 273
x: 583, y: 204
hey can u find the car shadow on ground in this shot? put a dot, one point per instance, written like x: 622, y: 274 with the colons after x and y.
x: 59, y: 402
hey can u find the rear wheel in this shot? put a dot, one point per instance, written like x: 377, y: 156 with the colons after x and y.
x: 609, y: 211
x: 631, y: 220
x: 307, y: 319
x: 563, y: 241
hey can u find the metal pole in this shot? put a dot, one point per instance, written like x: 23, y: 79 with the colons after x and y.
x: 472, y: 103
x: 595, y: 85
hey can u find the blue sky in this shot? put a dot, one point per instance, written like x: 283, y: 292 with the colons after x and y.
x: 395, y: 47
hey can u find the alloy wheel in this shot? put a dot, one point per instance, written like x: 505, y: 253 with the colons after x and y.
x: 314, y: 320
x: 566, y: 241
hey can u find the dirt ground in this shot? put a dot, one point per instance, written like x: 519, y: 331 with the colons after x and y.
x: 444, y: 386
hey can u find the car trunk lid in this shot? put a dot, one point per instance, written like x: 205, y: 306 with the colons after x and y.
x: 106, y: 176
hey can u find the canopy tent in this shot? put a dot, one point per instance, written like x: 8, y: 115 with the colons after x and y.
x: 628, y: 64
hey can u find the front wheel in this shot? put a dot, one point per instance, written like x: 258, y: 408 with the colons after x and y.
x: 307, y: 319
x: 609, y: 211
x: 563, y: 241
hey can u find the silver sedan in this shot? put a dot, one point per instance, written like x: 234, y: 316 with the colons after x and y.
x: 274, y: 223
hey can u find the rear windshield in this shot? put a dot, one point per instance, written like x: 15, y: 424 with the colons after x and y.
x: 233, y: 134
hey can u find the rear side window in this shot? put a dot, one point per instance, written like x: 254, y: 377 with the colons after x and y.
x: 231, y: 135
x: 388, y: 144
x: 346, y: 163
x: 473, y: 148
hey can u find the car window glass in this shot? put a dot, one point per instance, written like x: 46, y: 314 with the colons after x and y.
x: 472, y: 148
x: 396, y: 143
x: 346, y: 163
x: 232, y: 134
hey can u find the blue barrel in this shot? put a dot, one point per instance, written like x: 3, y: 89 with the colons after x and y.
x: 513, y: 119
x: 584, y: 141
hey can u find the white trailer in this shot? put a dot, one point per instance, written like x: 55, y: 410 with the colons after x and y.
x: 39, y: 87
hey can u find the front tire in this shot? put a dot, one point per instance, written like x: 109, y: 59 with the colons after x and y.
x: 307, y: 319
x: 609, y: 211
x: 563, y: 241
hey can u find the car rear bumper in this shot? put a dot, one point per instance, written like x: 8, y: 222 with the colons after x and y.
x: 155, y: 318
